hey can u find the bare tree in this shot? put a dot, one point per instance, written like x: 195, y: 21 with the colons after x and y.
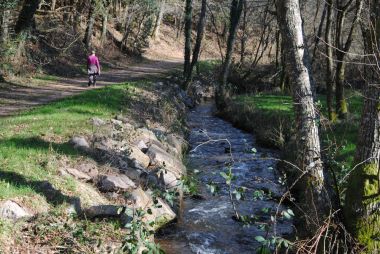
x: 329, y: 60
x: 158, y: 21
x: 308, y: 149
x: 90, y: 24
x: 342, y: 48
x: 188, y: 28
x: 198, y: 41
x: 5, y: 20
x: 222, y: 92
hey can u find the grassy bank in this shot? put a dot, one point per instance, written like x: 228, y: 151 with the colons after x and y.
x: 271, y: 117
x: 34, y: 147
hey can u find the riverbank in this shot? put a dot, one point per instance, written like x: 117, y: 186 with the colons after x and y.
x: 271, y: 118
x: 79, y: 166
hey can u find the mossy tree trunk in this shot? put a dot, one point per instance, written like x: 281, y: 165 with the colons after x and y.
x: 342, y: 48
x: 362, y: 214
x: 312, y: 199
x: 222, y: 91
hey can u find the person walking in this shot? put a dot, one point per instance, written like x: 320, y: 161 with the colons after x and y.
x: 93, y: 68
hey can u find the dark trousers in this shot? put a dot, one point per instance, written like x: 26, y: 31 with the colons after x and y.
x: 92, y: 79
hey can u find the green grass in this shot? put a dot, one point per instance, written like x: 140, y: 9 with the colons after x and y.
x: 342, y: 134
x: 32, y: 142
x: 47, y: 77
x: 208, y: 66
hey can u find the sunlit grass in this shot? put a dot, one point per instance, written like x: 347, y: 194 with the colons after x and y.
x: 31, y: 142
x: 341, y: 134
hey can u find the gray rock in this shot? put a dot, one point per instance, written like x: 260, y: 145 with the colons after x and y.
x: 97, y: 121
x: 78, y: 174
x: 142, y: 146
x: 13, y: 211
x: 134, y: 153
x: 168, y: 179
x: 118, y: 182
x: 177, y: 142
x: 102, y: 211
x: 122, y: 118
x: 79, y: 143
x: 146, y: 135
x: 160, y: 157
x: 89, y: 169
x: 117, y: 124
x: 133, y: 174
x: 161, y: 212
x: 160, y: 133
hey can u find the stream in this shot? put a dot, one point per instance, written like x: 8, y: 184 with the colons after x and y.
x: 207, y: 224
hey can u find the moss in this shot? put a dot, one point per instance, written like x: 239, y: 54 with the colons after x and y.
x: 343, y: 106
x: 361, y: 211
x: 161, y: 221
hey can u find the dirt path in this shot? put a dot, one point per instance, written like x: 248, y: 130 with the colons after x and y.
x: 15, y: 98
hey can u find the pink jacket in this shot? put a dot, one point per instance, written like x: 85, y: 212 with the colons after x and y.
x: 93, y: 61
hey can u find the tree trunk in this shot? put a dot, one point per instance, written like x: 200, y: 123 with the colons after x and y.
x: 128, y: 30
x: 90, y: 25
x: 77, y: 16
x: 53, y: 4
x: 329, y: 61
x: 222, y: 92
x: 157, y: 24
x: 103, y: 37
x: 198, y: 42
x: 188, y: 25
x: 308, y: 157
x: 244, y: 35
x: 341, y: 51
x: 363, y: 193
x: 5, y: 19
x: 319, y: 33
x: 26, y: 17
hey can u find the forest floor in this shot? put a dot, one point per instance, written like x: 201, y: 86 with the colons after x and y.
x: 17, y: 95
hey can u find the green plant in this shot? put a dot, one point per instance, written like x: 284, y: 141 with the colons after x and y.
x: 139, y: 238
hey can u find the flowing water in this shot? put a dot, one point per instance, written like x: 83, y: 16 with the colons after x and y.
x: 207, y: 225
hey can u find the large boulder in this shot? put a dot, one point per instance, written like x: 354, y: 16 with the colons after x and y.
x: 13, y: 211
x: 135, y: 154
x: 161, y: 213
x: 161, y: 158
x: 117, y: 182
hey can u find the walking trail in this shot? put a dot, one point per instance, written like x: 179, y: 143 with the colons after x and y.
x: 15, y: 98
